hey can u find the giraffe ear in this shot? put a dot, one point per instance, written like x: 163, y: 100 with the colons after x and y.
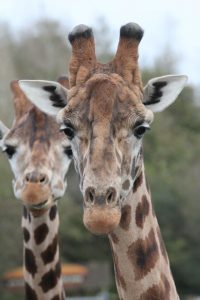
x: 3, y: 131
x: 48, y: 96
x: 161, y: 92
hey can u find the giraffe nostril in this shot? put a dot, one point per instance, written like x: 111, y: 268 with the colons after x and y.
x: 27, y: 177
x: 90, y: 195
x: 110, y: 196
x: 43, y: 178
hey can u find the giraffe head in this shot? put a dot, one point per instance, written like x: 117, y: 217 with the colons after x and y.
x: 39, y: 154
x: 106, y: 115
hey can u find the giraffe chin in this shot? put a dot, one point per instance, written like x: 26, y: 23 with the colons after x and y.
x: 36, y: 198
x: 40, y: 206
x: 101, y: 220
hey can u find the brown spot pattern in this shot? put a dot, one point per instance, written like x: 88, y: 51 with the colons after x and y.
x: 25, y: 212
x: 58, y: 269
x: 143, y: 255
x: 142, y: 211
x: 30, y: 262
x: 57, y: 297
x: 153, y: 293
x: 26, y: 234
x: 114, y: 238
x: 40, y: 233
x: 30, y: 293
x: 162, y: 245
x: 29, y: 217
x: 138, y: 182
x: 39, y: 124
x: 165, y: 282
x: 126, y: 217
x: 50, y: 252
x: 48, y: 281
x: 53, y: 212
x: 126, y: 184
x: 158, y: 292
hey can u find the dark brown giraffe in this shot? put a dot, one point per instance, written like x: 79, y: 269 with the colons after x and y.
x: 106, y: 115
x: 39, y: 156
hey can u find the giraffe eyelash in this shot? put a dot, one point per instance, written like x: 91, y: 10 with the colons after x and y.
x: 140, y: 130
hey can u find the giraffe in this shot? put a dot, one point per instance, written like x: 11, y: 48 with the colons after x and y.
x: 107, y: 112
x: 39, y: 156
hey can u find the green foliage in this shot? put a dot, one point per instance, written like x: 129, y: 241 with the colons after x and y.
x: 10, y: 296
x: 78, y: 244
x: 10, y: 211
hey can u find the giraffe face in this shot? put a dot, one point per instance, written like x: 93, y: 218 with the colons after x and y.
x: 39, y: 155
x: 105, y: 121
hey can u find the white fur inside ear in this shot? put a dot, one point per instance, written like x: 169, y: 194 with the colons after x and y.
x: 3, y: 131
x: 48, y: 96
x: 161, y: 92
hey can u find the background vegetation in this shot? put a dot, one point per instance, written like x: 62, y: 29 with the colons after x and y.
x: 172, y: 150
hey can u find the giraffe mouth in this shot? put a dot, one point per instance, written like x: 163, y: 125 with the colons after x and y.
x: 40, y: 205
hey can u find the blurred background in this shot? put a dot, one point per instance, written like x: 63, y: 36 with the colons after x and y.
x: 33, y: 45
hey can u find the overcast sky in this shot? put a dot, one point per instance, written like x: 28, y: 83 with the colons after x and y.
x: 164, y: 21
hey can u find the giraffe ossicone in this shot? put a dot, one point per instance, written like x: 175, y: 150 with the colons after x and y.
x: 107, y: 113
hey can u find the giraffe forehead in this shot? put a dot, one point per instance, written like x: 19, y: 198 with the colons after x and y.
x: 104, y: 99
x: 33, y: 128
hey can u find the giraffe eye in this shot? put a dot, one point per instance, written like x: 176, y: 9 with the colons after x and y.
x: 10, y: 151
x: 140, y: 130
x: 68, y: 130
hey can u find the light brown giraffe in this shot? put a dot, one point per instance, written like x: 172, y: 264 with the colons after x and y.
x: 106, y: 115
x: 39, y: 156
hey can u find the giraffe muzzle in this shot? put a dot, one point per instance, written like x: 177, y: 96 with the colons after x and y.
x: 101, y: 220
x: 36, y: 192
x: 101, y: 211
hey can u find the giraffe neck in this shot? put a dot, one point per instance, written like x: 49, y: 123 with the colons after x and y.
x: 41, y: 264
x: 141, y: 263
